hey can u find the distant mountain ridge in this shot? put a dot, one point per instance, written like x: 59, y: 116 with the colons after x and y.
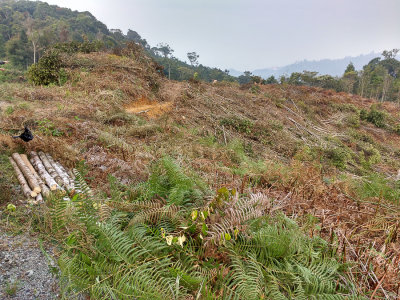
x: 334, y: 67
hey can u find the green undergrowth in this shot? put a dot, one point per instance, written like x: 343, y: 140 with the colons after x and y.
x: 7, y: 179
x: 376, y: 186
x: 170, y: 238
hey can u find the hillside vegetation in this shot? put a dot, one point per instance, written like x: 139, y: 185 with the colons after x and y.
x: 208, y: 191
x: 28, y: 28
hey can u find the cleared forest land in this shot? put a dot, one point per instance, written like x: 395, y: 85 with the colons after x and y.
x: 217, y: 190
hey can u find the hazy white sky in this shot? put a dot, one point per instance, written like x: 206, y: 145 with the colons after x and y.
x: 252, y: 34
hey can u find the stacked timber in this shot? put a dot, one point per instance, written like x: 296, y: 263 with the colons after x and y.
x: 40, y: 175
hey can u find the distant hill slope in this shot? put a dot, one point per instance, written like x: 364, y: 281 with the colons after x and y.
x: 334, y: 67
x: 31, y: 26
x: 27, y: 28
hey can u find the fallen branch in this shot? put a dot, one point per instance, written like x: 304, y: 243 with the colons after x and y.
x: 142, y: 111
x: 27, y: 173
x: 22, y: 181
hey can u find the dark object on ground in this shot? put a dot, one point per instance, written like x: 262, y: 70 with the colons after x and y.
x: 3, y: 62
x: 26, y: 136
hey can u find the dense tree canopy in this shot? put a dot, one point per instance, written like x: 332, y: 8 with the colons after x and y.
x: 27, y: 28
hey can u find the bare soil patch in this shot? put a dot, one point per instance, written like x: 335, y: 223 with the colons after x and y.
x: 151, y: 109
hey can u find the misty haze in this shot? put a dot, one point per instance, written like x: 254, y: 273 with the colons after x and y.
x: 199, y: 149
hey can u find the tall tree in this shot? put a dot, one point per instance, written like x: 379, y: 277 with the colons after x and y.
x: 193, y: 58
x: 350, y: 77
x: 166, y: 51
x: 33, y: 35
x: 18, y: 50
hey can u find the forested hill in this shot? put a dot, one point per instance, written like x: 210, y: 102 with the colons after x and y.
x: 27, y: 28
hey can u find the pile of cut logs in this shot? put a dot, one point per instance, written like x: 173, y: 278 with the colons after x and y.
x: 40, y: 175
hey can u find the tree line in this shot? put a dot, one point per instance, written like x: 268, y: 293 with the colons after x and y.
x: 28, y: 28
x: 379, y: 79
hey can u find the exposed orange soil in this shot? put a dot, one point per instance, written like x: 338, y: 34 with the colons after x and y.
x: 152, y: 109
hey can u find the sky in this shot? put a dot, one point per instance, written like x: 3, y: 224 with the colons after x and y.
x: 254, y: 34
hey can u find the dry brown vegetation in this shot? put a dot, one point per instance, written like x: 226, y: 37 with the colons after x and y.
x: 305, y: 147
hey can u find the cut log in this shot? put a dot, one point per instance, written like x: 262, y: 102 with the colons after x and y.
x: 68, y: 174
x: 50, y: 168
x: 64, y: 176
x: 22, y: 181
x: 43, y: 186
x: 27, y: 173
x: 37, y: 163
x: 39, y: 198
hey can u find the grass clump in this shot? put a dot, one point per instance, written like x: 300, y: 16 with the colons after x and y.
x: 7, y: 179
x: 47, y: 127
x: 377, y: 186
x: 12, y: 288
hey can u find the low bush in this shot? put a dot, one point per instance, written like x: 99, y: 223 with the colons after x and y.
x: 238, y: 124
x: 47, y: 70
x: 338, y: 156
x: 374, y: 116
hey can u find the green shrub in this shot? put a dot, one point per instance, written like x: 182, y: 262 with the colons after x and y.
x: 371, y: 156
x: 396, y: 128
x: 47, y: 70
x: 255, y: 89
x: 353, y: 120
x: 338, y: 156
x: 239, y: 124
x: 75, y: 47
x: 170, y: 182
x: 376, y: 117
x: 345, y: 107
x: 363, y: 114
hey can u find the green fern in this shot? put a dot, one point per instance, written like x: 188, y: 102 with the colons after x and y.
x: 123, y: 253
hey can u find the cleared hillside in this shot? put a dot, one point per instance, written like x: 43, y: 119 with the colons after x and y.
x: 327, y: 159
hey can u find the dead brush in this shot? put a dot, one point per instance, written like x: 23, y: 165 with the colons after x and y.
x: 111, y: 141
x: 117, y: 118
x: 40, y: 94
x: 368, y: 232
x: 143, y: 131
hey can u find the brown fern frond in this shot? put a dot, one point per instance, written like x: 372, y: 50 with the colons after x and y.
x: 136, y: 206
x: 104, y: 212
x: 153, y: 215
x: 236, y: 213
